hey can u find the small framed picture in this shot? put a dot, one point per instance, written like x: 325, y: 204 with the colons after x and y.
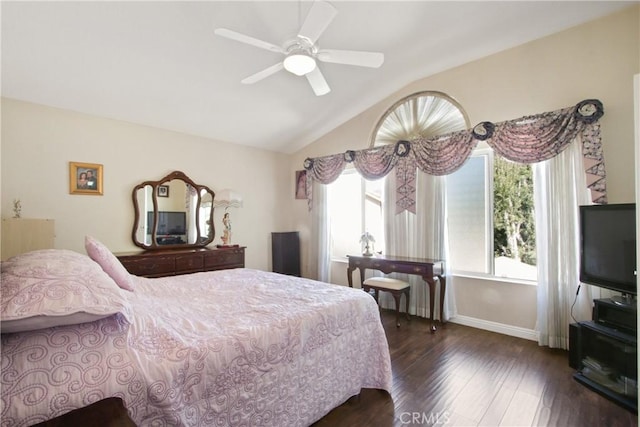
x: 85, y: 178
x: 163, y: 191
x: 301, y: 184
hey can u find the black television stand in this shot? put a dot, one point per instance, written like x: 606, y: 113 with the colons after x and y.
x: 604, y: 352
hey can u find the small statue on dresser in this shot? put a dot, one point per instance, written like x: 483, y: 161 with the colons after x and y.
x: 226, y: 234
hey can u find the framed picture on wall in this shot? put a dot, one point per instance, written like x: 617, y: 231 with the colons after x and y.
x: 301, y: 184
x: 163, y: 191
x: 85, y: 178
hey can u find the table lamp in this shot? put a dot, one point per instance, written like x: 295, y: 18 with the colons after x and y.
x: 225, y: 199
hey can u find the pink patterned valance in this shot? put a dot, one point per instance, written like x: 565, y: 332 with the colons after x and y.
x: 529, y: 139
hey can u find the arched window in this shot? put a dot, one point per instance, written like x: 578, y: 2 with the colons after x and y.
x: 420, y: 115
x: 356, y: 204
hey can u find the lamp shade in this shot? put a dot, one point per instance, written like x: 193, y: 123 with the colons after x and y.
x: 227, y: 199
x: 299, y: 63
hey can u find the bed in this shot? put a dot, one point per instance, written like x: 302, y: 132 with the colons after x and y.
x: 232, y: 347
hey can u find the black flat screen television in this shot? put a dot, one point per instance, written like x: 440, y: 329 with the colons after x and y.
x: 608, y: 247
x: 168, y: 223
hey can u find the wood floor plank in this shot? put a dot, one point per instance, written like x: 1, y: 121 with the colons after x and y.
x: 463, y: 376
x: 498, y: 407
x: 521, y: 410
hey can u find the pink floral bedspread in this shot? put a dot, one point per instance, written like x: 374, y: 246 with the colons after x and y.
x: 233, y: 347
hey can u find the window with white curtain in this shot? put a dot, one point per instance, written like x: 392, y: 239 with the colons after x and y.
x: 477, y: 225
x: 355, y: 206
x: 469, y: 220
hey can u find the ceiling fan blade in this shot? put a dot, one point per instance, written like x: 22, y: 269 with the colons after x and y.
x: 317, y: 82
x: 262, y: 74
x: 318, y: 19
x: 351, y: 57
x: 243, y: 38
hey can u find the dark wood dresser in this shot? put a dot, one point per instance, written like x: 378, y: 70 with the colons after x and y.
x: 170, y: 262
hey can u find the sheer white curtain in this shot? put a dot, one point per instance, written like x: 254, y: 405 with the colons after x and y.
x: 422, y: 235
x: 320, y: 254
x: 559, y: 188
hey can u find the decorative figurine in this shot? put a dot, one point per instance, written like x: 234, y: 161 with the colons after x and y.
x: 226, y: 234
x: 367, y: 241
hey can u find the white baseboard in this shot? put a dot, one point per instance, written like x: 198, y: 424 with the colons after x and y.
x: 514, y: 331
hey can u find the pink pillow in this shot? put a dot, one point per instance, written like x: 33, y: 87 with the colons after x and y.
x: 55, y: 287
x: 109, y: 263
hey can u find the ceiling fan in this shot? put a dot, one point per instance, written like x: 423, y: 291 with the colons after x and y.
x: 302, y: 52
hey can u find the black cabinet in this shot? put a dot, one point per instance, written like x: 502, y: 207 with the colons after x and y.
x: 606, y: 357
x: 285, y: 252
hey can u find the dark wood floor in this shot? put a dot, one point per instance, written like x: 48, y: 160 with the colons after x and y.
x: 462, y: 376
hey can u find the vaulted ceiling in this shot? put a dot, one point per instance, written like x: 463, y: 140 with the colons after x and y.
x: 160, y: 63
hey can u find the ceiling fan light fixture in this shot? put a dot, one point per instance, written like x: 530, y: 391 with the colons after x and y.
x: 299, y: 63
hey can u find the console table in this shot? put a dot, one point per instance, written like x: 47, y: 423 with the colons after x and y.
x: 170, y: 262
x: 423, y: 267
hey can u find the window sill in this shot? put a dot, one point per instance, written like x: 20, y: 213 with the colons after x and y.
x: 487, y: 277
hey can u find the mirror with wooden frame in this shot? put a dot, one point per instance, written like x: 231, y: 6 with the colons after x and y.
x: 173, y: 212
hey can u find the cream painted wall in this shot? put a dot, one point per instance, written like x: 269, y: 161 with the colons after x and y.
x: 593, y: 60
x: 38, y: 142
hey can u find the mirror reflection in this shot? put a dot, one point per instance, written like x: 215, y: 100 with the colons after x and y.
x: 206, y: 212
x: 173, y: 211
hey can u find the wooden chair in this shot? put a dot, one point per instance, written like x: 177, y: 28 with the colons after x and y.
x: 395, y: 287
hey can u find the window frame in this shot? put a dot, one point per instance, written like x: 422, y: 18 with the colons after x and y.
x: 483, y: 150
x: 364, y: 197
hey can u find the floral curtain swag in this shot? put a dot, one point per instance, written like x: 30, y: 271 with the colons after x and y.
x: 529, y: 139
